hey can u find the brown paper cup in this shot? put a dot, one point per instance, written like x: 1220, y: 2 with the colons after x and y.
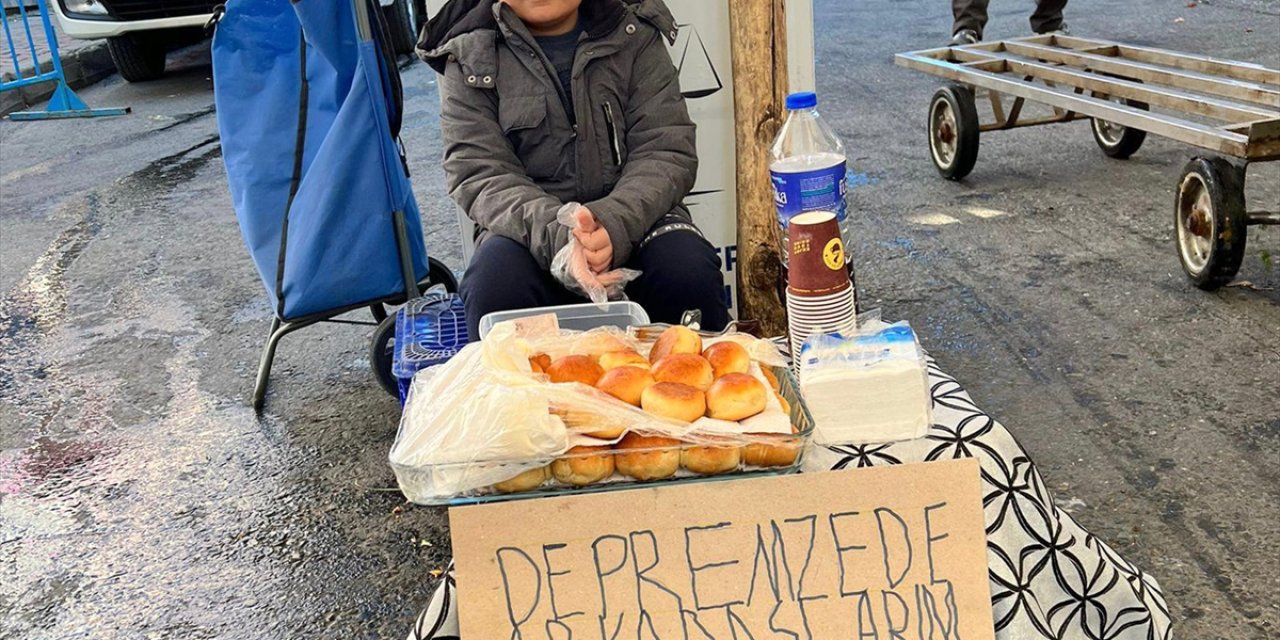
x: 815, y: 257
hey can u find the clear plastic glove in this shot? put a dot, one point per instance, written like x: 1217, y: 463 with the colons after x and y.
x: 573, y: 270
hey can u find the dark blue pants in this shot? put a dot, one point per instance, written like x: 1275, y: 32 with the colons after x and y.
x: 972, y: 14
x: 680, y: 271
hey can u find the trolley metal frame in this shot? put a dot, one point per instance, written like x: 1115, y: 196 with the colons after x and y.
x: 382, y: 345
x: 1229, y: 108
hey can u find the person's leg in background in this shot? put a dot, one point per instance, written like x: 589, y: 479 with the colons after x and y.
x: 680, y: 271
x: 503, y: 275
x: 1048, y: 16
x: 970, y: 20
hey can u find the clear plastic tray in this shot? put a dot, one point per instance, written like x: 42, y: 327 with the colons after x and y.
x: 577, y: 317
x: 781, y: 445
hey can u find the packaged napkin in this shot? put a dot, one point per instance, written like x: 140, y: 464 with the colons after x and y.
x: 871, y: 387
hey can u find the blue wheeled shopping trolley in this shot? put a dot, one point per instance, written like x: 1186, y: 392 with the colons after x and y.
x: 309, y: 105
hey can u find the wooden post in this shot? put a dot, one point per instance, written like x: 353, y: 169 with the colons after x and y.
x: 758, y: 40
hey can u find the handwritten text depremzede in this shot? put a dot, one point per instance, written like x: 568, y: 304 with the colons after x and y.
x: 731, y: 586
x: 875, y: 554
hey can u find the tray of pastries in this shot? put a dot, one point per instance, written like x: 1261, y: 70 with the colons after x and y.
x: 533, y: 410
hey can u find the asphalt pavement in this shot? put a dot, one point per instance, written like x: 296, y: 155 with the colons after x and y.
x: 140, y: 497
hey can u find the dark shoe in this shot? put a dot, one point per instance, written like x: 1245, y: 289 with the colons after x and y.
x: 964, y: 37
x: 1060, y: 31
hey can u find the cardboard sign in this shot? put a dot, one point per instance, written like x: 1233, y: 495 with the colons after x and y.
x: 891, y: 553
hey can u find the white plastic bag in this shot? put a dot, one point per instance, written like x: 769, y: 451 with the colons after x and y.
x: 483, y: 404
x: 569, y: 266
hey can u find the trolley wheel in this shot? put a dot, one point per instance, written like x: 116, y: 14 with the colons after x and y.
x: 382, y: 351
x: 1209, y: 216
x: 439, y: 273
x: 953, y: 131
x: 1116, y: 140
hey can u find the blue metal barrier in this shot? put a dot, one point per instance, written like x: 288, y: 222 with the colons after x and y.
x: 64, y: 103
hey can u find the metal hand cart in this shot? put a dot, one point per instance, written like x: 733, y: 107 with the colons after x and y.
x: 1227, y: 107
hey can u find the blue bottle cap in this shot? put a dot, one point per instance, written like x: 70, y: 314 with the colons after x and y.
x: 802, y: 100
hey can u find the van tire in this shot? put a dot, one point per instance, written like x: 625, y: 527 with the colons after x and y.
x: 137, y: 57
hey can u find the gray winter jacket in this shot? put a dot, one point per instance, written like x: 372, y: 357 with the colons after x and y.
x: 512, y: 154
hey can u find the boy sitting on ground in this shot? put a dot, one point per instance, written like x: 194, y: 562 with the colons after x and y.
x: 546, y: 102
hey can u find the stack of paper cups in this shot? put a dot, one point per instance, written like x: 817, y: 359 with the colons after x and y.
x: 820, y: 296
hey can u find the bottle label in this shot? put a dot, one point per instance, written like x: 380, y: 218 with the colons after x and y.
x: 818, y: 190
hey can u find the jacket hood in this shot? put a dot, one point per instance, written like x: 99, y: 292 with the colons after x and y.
x: 461, y: 23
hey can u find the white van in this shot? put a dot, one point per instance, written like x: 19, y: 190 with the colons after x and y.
x: 140, y: 33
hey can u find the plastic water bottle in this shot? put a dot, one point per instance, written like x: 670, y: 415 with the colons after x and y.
x: 808, y: 168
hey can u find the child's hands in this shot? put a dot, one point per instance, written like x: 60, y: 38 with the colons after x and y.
x: 585, y: 265
x: 581, y: 270
x: 589, y: 278
x: 595, y: 241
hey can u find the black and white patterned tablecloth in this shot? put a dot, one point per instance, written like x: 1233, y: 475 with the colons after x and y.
x: 1049, y: 577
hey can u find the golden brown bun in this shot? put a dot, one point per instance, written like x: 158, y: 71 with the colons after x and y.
x: 634, y: 462
x: 675, y: 340
x: 777, y: 389
x: 540, y: 362
x: 606, y: 433
x: 614, y: 359
x: 711, y: 460
x: 771, y: 450
x: 527, y: 481
x: 575, y: 369
x: 728, y: 357
x: 674, y: 400
x: 735, y: 397
x: 685, y: 368
x: 626, y: 383
x: 606, y: 425
x: 596, y: 344
x: 579, y: 467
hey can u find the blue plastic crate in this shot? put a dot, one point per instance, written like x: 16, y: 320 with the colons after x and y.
x: 402, y: 385
x: 429, y: 331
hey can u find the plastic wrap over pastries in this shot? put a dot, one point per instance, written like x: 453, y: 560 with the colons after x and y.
x: 532, y: 405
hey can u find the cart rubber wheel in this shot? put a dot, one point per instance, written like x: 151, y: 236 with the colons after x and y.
x: 439, y: 273
x: 953, y: 131
x: 1209, y: 218
x: 1119, y: 141
x: 381, y: 354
